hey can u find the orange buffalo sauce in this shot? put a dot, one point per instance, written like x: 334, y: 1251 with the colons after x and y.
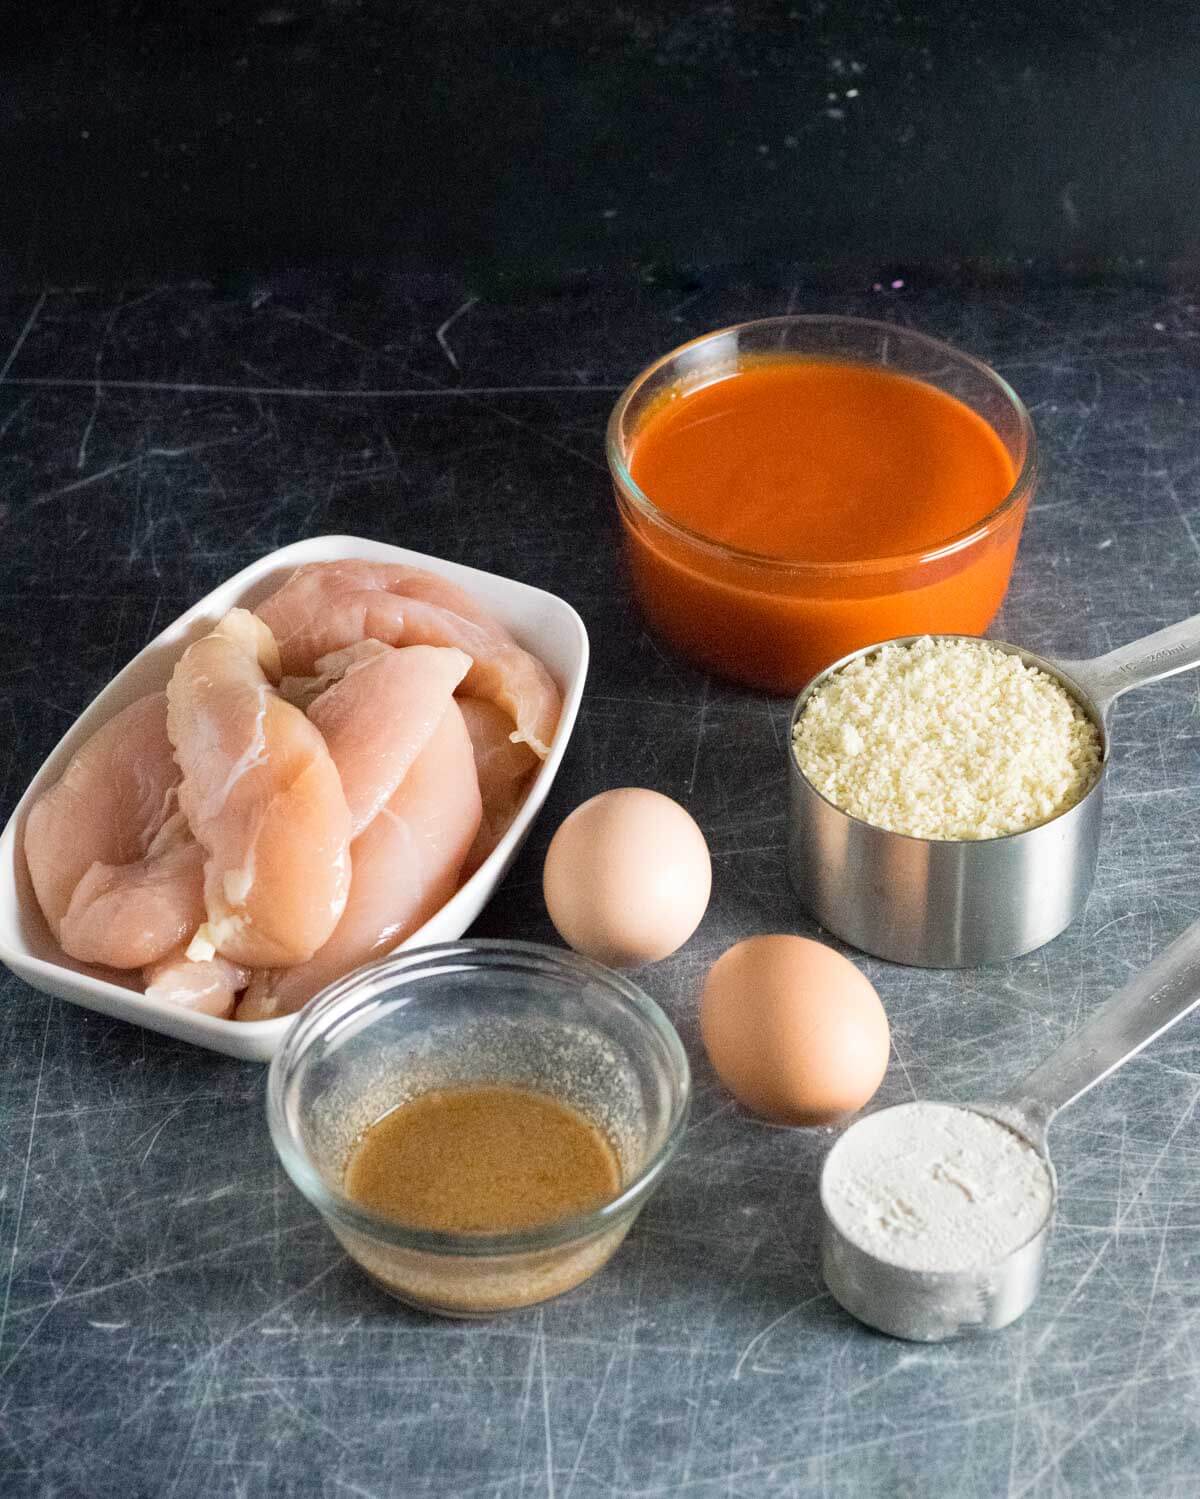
x: 816, y: 462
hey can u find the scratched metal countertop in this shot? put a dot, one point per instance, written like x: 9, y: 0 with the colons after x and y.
x: 174, y: 1320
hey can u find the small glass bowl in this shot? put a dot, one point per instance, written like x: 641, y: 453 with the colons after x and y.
x: 484, y: 1013
x: 773, y: 623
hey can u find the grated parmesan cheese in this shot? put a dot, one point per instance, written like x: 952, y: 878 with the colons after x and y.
x: 947, y: 738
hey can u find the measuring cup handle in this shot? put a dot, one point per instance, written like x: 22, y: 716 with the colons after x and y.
x: 1105, y: 678
x: 1149, y: 1004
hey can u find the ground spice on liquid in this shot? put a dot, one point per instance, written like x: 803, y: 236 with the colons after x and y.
x: 482, y: 1159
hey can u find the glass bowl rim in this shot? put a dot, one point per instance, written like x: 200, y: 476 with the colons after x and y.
x: 335, y: 1005
x: 629, y: 490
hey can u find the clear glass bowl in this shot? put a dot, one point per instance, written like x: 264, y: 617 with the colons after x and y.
x: 478, y: 1012
x: 773, y: 623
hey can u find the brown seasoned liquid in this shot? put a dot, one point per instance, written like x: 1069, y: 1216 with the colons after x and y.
x: 482, y: 1159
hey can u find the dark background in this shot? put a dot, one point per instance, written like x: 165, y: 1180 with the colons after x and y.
x: 527, y: 142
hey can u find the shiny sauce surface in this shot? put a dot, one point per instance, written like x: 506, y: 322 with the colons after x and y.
x: 482, y: 1159
x: 815, y: 460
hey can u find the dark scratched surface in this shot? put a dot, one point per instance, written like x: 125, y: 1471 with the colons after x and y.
x: 175, y: 1321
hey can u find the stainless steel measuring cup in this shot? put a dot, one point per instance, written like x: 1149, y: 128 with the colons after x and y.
x: 937, y: 903
x: 929, y: 1307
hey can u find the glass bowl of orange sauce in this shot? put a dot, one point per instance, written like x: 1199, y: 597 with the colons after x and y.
x: 479, y: 1123
x: 795, y: 488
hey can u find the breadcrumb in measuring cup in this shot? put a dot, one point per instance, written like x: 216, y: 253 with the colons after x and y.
x: 947, y: 738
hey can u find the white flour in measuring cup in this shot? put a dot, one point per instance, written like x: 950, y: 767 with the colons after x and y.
x: 927, y: 1186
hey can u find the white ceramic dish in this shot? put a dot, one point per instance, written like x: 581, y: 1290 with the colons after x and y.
x: 542, y: 623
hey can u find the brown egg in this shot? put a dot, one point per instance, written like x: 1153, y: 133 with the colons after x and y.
x: 627, y: 877
x: 794, y: 1030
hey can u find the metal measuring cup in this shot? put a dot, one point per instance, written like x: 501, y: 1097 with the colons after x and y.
x: 930, y: 1307
x: 940, y: 903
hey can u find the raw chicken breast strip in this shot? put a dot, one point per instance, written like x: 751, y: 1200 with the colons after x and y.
x: 113, y: 863
x: 406, y: 866
x: 128, y: 915
x: 326, y: 606
x: 209, y: 987
x: 304, y: 691
x: 112, y: 800
x: 379, y: 717
x: 505, y: 770
x: 263, y: 798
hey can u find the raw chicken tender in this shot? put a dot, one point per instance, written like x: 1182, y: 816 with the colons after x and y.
x: 112, y: 800
x: 326, y: 606
x: 505, y: 770
x: 113, y: 864
x: 209, y: 987
x: 128, y: 915
x: 379, y: 717
x: 304, y: 691
x: 406, y: 866
x: 262, y: 797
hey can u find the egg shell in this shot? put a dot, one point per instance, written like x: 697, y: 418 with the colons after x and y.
x: 627, y: 877
x: 795, y: 1032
